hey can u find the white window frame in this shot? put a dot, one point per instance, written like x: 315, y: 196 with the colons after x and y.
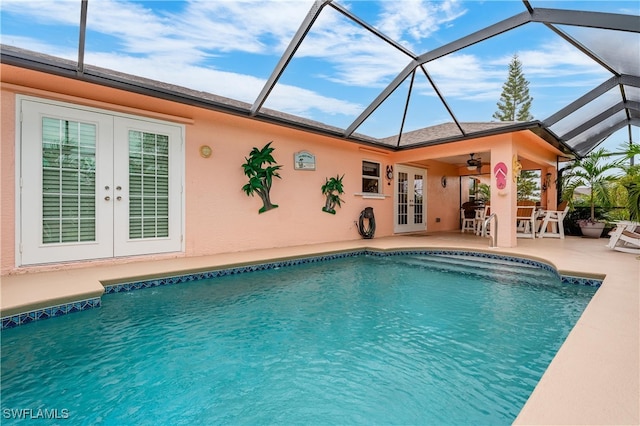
x: 377, y: 178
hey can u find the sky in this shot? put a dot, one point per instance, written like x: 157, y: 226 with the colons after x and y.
x: 230, y: 48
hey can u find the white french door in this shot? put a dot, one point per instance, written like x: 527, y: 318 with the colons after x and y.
x: 148, y: 187
x: 410, y: 200
x: 96, y: 185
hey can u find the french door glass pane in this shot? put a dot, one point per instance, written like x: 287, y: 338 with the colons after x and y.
x: 403, y: 198
x: 68, y: 181
x: 148, y: 185
x: 418, y: 205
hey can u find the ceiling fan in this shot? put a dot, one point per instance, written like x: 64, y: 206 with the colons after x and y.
x: 474, y: 163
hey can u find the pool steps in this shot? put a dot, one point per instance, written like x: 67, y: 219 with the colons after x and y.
x: 481, y: 268
x: 456, y: 258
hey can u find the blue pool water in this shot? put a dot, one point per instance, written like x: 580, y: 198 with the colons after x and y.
x: 358, y: 340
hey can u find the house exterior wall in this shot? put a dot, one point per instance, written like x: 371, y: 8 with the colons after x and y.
x: 219, y: 216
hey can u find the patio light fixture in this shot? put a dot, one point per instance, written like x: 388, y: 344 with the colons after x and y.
x: 474, y: 163
x: 547, y: 182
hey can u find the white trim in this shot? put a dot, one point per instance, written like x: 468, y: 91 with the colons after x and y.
x: 379, y: 177
x: 35, y: 251
x: 372, y: 195
x: 106, y: 111
x: 18, y: 181
x: 44, y: 95
x: 409, y: 227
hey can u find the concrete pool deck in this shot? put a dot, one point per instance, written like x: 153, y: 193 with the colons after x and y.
x: 593, y: 379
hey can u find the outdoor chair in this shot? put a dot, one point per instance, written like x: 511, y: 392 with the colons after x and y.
x: 625, y: 237
x: 554, y: 218
x: 526, y: 219
x: 468, y: 216
x: 481, y: 215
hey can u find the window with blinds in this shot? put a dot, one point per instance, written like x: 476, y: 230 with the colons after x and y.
x: 68, y: 181
x: 371, y: 177
x: 148, y: 185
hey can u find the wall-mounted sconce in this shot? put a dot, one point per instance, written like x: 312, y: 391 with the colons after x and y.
x: 547, y: 182
x: 389, y: 174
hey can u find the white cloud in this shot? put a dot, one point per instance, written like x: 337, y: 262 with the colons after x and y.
x: 66, y: 12
x: 202, y: 30
x: 355, y: 57
x: 554, y: 64
x: 40, y: 46
x: 173, y: 46
x: 191, y: 44
x: 303, y: 102
x: 242, y: 87
x: 415, y: 20
x: 555, y: 59
x: 250, y: 26
x: 200, y: 25
x: 465, y: 77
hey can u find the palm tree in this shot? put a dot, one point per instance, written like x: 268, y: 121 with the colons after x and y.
x: 592, y: 172
x: 261, y: 178
x: 483, y: 193
x: 631, y: 182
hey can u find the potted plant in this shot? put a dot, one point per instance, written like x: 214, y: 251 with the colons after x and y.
x: 260, y: 177
x: 592, y: 172
x: 332, y: 189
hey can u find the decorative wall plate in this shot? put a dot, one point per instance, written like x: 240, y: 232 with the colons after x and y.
x: 205, y: 151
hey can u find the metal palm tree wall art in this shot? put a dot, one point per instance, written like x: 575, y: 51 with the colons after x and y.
x: 261, y: 176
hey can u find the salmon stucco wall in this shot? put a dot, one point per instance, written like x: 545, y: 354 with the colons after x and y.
x: 443, y: 202
x: 220, y: 217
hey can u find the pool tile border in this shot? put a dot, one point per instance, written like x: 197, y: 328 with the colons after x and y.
x: 50, y: 312
x: 58, y: 310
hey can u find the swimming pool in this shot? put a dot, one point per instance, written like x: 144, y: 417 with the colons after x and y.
x: 396, y: 339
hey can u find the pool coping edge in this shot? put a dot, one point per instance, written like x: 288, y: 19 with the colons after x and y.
x: 177, y: 277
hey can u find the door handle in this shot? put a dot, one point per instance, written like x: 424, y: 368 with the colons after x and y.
x: 107, y: 198
x: 118, y: 198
